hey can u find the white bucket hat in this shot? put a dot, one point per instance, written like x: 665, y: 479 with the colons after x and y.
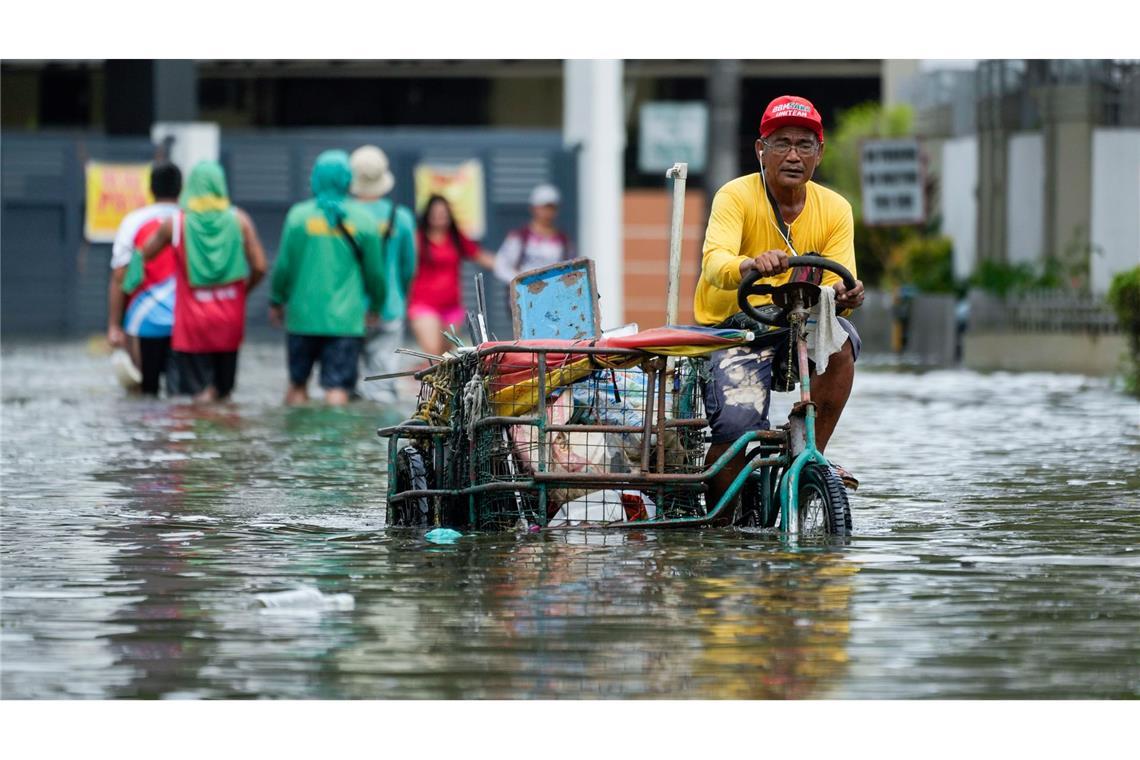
x: 370, y: 173
x: 545, y: 195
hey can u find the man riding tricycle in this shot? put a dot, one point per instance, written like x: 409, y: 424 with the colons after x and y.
x: 567, y: 426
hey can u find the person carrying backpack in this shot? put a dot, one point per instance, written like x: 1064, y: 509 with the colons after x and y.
x: 372, y: 180
x: 329, y: 274
x: 538, y: 243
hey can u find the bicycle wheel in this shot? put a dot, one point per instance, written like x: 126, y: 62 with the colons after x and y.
x: 823, y: 506
x: 412, y: 474
x: 756, y: 509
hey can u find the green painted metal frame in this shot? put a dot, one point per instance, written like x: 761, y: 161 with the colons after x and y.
x: 789, y: 486
x: 764, y: 459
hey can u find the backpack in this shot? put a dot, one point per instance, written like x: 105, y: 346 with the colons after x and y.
x: 524, y: 235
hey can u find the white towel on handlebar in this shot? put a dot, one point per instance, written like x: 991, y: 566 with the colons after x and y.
x: 825, y: 335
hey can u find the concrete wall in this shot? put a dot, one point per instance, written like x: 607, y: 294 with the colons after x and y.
x: 960, y: 201
x: 874, y: 320
x: 1115, y: 204
x: 932, y: 332
x: 1025, y: 221
x: 1080, y: 353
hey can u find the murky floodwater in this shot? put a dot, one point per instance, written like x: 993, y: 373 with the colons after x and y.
x: 153, y: 549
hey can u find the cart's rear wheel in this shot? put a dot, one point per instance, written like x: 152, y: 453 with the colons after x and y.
x: 412, y: 474
x: 823, y: 506
x: 751, y: 513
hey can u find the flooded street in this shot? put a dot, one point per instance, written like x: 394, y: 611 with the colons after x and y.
x: 157, y: 550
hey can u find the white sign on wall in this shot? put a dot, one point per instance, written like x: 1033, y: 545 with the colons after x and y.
x: 189, y: 142
x: 672, y: 132
x: 891, y: 172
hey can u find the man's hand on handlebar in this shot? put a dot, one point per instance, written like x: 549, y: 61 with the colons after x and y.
x: 768, y: 264
x: 849, y: 299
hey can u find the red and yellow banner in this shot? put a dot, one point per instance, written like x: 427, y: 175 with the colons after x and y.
x: 462, y: 186
x: 113, y: 191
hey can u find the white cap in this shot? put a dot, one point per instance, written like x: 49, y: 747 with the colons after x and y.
x: 545, y: 195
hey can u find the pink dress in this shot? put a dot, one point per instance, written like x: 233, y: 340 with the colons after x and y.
x: 435, y: 287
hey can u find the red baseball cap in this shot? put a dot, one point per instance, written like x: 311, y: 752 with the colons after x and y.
x: 791, y: 111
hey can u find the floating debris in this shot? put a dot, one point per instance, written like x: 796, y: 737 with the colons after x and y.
x: 443, y: 536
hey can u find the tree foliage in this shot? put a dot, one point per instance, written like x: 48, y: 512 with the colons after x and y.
x: 840, y: 172
x: 1124, y: 297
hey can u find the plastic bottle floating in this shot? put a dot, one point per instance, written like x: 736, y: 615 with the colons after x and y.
x: 443, y: 536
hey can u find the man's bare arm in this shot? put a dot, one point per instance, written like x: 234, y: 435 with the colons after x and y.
x: 116, y: 303
x: 158, y: 240
x: 254, y: 251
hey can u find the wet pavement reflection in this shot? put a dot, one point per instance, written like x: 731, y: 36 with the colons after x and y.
x: 153, y: 549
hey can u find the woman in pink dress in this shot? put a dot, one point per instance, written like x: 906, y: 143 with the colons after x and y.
x: 436, y: 300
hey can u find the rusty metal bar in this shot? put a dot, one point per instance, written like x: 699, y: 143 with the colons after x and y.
x: 662, y: 375
x: 407, y: 431
x: 556, y: 349
x: 580, y: 428
x: 610, y: 478
x: 423, y: 492
x: 647, y: 416
x: 542, y: 453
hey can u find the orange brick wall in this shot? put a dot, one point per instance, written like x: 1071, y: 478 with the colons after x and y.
x: 646, y: 241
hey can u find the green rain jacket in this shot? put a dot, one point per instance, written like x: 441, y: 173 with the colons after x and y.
x: 399, y: 255
x: 317, y: 278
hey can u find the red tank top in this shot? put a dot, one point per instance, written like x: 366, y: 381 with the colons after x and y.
x: 206, y: 320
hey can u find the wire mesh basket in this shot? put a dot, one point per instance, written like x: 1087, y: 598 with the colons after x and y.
x: 552, y: 436
x: 561, y: 439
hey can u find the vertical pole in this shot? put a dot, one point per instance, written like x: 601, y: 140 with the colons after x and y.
x: 542, y: 435
x: 651, y: 375
x: 661, y: 376
x: 393, y: 445
x: 724, y: 124
x: 679, y: 173
x: 805, y: 392
x: 593, y: 121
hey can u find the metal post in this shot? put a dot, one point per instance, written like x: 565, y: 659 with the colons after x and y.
x: 679, y: 174
x: 651, y: 375
x: 542, y: 496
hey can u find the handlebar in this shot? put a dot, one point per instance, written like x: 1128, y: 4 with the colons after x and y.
x: 749, y: 287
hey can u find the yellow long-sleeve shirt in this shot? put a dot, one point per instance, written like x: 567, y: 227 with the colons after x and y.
x: 742, y: 225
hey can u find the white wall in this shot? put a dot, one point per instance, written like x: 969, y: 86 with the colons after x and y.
x: 1115, y: 204
x: 959, y: 198
x: 1025, y: 199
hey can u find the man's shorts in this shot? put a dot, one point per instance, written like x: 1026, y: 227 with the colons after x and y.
x: 338, y: 356
x: 195, y: 372
x: 737, y: 393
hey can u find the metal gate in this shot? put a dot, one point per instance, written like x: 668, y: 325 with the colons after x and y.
x: 54, y: 283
